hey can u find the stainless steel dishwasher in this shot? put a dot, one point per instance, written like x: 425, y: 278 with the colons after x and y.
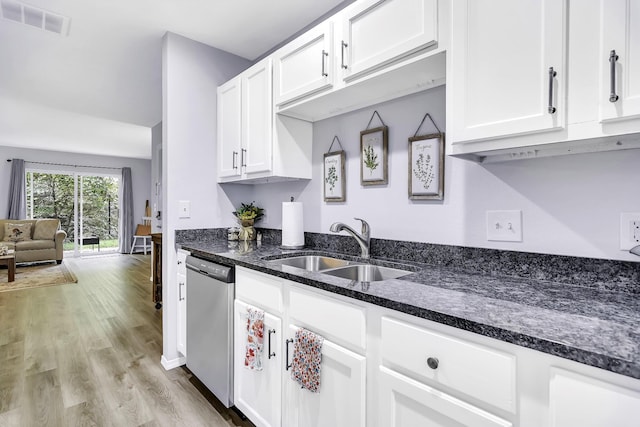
x: 210, y: 294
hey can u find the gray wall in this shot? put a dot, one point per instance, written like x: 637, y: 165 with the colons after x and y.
x: 570, y: 205
x: 140, y: 171
x: 191, y: 73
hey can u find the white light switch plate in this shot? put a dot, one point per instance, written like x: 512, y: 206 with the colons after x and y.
x: 504, y: 226
x: 184, y: 209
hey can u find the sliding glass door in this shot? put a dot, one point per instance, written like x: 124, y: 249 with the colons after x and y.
x: 86, y: 204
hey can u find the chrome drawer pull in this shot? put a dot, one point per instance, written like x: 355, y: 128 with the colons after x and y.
x: 343, y: 45
x: 271, y: 353
x: 287, y: 364
x: 552, y: 74
x: 613, y: 58
x: 324, y: 74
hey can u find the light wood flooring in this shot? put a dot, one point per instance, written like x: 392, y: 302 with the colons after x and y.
x: 89, y: 353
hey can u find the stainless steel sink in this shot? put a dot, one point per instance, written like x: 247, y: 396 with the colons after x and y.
x: 367, y: 273
x: 313, y: 262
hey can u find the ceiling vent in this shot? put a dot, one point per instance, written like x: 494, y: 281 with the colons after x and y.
x: 35, y: 17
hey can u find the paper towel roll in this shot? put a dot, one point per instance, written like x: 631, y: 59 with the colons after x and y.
x: 292, y: 225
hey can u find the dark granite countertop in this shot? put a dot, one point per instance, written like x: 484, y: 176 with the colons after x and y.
x: 597, y: 327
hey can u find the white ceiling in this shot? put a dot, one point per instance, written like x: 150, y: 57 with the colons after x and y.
x: 98, y: 90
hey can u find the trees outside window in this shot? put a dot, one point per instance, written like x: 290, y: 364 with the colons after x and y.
x: 86, y: 205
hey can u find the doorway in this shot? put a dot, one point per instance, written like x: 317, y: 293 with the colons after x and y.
x: 86, y: 204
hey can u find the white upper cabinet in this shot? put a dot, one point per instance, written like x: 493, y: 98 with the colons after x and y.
x: 257, y: 118
x: 254, y: 144
x: 620, y: 59
x: 376, y: 32
x: 369, y: 52
x: 305, y: 65
x: 245, y: 117
x: 507, y: 72
x: 229, y: 128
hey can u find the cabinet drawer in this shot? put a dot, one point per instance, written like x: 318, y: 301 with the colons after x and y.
x: 259, y: 289
x: 478, y: 371
x: 333, y: 319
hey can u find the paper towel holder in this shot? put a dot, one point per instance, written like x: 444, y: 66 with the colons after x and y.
x: 291, y: 247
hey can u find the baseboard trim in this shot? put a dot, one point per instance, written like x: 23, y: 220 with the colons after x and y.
x: 173, y: 363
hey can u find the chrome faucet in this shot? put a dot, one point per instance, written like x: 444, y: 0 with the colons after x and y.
x: 364, y: 239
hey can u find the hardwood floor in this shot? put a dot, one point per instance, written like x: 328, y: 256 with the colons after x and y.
x: 88, y: 354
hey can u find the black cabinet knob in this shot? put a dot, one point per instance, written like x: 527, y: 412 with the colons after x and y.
x: 433, y: 362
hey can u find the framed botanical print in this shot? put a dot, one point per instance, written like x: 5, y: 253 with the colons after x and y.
x: 334, y: 177
x: 373, y: 156
x: 426, y: 167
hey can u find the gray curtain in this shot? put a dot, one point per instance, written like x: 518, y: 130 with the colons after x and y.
x: 17, y: 192
x: 126, y: 212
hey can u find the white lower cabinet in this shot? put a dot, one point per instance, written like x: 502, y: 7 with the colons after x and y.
x: 182, y: 302
x: 407, y: 402
x: 382, y: 368
x: 582, y: 401
x: 258, y: 394
x: 341, y: 399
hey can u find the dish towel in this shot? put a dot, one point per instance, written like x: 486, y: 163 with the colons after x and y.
x: 307, y: 358
x: 255, y: 339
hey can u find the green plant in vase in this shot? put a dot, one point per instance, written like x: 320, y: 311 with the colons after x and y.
x: 248, y: 215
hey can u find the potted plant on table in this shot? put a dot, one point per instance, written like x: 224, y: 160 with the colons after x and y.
x: 248, y: 215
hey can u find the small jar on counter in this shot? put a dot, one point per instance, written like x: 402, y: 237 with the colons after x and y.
x: 233, y: 233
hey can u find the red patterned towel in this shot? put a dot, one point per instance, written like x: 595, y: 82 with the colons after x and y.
x: 255, y: 339
x: 307, y: 358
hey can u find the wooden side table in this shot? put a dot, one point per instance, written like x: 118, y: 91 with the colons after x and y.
x: 156, y: 270
x: 10, y: 262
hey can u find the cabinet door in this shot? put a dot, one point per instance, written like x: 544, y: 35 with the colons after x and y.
x: 377, y: 32
x: 620, y: 96
x: 406, y: 403
x: 578, y: 400
x: 182, y: 314
x: 305, y: 65
x: 229, y: 128
x: 501, y: 55
x: 258, y: 394
x: 257, y: 129
x: 341, y: 400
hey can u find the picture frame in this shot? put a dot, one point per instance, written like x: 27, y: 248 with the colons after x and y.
x: 334, y: 178
x: 374, y: 156
x: 426, y: 167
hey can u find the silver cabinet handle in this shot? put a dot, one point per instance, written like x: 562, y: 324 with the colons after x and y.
x: 552, y: 74
x: 343, y: 45
x: 180, y: 297
x: 324, y: 53
x: 235, y: 158
x: 243, y: 157
x: 433, y: 362
x: 613, y: 58
x: 287, y: 364
x: 271, y: 353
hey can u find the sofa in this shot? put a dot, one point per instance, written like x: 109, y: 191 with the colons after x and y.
x: 33, y: 239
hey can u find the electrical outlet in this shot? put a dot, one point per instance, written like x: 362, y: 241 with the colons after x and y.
x: 629, y: 230
x: 504, y: 226
x: 635, y: 231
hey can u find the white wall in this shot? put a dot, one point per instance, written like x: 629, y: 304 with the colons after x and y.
x: 191, y: 73
x: 140, y: 171
x: 570, y: 204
